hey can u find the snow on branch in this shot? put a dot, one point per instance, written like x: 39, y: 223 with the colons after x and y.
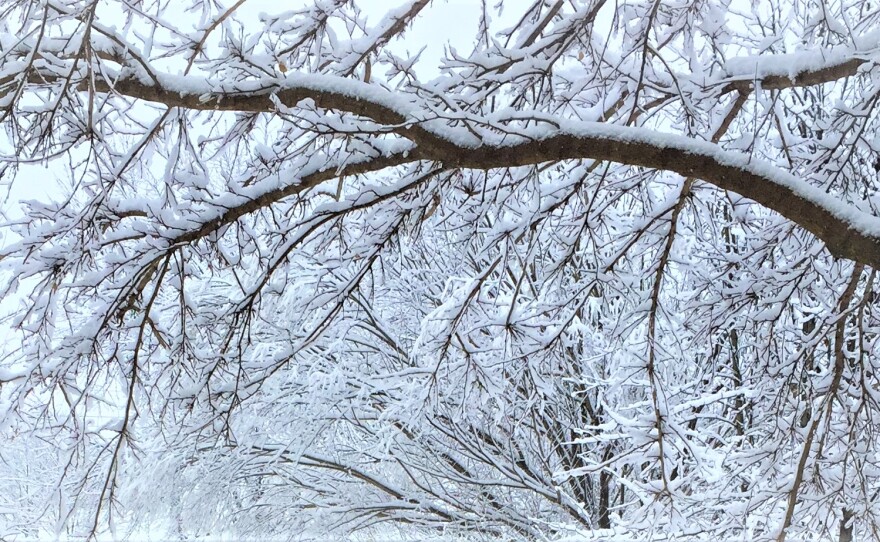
x: 509, y: 269
x: 847, y: 231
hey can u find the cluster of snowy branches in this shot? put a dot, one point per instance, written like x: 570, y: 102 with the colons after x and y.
x: 610, y: 267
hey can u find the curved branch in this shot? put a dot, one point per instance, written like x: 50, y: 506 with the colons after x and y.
x: 265, y: 199
x: 326, y: 91
x: 846, y: 231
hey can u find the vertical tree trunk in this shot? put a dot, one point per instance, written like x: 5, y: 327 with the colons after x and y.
x: 846, y: 526
x: 605, y: 494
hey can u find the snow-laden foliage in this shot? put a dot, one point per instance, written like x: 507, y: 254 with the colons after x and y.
x: 611, y: 266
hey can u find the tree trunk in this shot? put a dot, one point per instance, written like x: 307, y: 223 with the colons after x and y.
x: 846, y: 526
x: 605, y: 494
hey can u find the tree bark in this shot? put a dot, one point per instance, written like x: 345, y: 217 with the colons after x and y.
x: 846, y: 526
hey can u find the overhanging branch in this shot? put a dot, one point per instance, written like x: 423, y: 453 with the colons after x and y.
x: 847, y: 232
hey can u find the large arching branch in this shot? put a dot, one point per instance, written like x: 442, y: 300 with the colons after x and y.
x: 846, y: 231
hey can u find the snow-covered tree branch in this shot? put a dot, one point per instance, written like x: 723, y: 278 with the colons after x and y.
x: 492, y: 142
x: 574, y: 267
